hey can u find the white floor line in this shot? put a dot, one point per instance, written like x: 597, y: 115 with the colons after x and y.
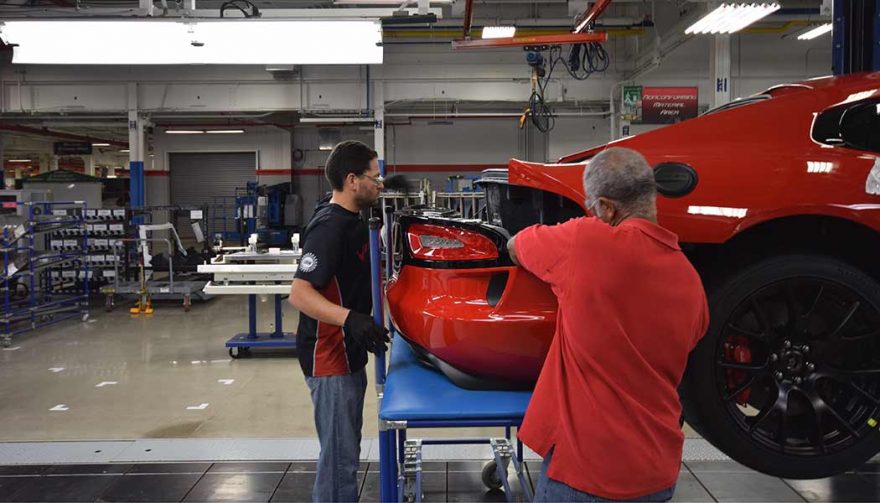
x: 247, y: 449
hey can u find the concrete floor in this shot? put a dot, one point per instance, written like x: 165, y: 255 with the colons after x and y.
x: 167, y: 375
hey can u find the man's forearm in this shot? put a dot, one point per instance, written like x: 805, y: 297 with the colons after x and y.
x: 511, y: 250
x: 306, y: 299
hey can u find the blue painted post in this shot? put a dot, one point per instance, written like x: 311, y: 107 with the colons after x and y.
x: 278, y: 331
x: 136, y: 186
x: 837, y: 49
x: 252, y: 316
x: 875, y: 52
x: 386, y: 458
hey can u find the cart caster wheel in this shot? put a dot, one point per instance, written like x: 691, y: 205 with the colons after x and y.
x: 6, y: 343
x: 187, y: 304
x: 490, y: 476
x: 85, y: 317
x: 235, y: 353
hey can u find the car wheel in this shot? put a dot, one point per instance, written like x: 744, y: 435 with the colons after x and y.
x: 787, y: 378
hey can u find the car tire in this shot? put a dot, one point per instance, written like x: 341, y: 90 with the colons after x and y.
x: 767, y: 426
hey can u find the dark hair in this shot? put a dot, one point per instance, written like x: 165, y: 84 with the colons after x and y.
x: 348, y: 157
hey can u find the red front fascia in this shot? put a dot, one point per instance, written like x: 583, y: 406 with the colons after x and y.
x: 753, y: 164
x: 446, y: 312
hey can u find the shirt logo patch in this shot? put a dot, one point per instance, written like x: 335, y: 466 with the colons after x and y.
x: 308, y: 262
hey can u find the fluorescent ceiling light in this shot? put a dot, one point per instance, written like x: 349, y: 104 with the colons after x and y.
x: 19, y: 160
x: 165, y: 42
x: 100, y: 144
x: 184, y: 131
x: 499, y: 31
x: 815, y: 32
x: 125, y: 151
x: 224, y: 131
x: 335, y: 120
x: 730, y: 18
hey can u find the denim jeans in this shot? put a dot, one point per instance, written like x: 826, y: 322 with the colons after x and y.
x: 339, y: 418
x: 550, y: 490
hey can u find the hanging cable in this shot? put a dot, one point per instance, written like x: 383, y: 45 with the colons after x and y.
x: 237, y: 4
x: 582, y: 61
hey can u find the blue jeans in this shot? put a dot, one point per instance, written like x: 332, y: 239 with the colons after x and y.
x: 339, y: 418
x: 550, y: 490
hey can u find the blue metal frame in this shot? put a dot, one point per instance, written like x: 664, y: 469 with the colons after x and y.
x: 841, y: 40
x: 254, y: 339
x: 43, y: 298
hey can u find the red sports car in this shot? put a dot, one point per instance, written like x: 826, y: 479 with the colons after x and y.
x: 776, y: 200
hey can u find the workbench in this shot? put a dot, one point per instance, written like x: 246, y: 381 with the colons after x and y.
x: 416, y: 396
x: 253, y: 273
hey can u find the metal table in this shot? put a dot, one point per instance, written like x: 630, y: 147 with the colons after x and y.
x: 251, y: 273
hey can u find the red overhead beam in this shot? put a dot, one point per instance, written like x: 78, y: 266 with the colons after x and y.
x: 560, y: 39
x: 57, y: 134
x: 591, y: 15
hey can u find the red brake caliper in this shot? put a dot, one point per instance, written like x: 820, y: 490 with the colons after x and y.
x: 737, y: 350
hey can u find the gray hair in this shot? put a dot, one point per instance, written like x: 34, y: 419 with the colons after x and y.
x: 624, y: 176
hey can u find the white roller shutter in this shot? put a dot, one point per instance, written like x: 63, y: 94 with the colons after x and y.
x: 198, y: 177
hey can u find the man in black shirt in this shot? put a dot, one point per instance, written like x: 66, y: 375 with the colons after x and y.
x: 331, y: 290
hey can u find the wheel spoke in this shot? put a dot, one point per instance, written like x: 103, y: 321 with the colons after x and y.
x: 746, y: 367
x: 820, y: 406
x: 835, y: 372
x: 869, y: 335
x: 849, y: 314
x: 780, y: 404
x: 815, y: 303
x: 744, y: 331
x: 762, y: 317
x: 792, y: 304
x: 782, y: 431
x: 744, y: 386
x: 864, y: 393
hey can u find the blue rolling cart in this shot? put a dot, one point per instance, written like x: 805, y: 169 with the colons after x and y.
x: 414, y: 396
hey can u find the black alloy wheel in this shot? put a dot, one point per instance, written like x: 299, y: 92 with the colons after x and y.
x: 787, y: 379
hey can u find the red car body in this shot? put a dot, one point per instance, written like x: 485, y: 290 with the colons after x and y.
x: 799, y: 156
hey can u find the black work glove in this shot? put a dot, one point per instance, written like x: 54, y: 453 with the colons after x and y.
x: 363, y: 330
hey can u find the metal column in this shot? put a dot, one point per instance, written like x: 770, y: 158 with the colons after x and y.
x: 720, y: 64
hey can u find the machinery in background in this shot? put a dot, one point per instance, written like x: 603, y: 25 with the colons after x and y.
x: 273, y: 212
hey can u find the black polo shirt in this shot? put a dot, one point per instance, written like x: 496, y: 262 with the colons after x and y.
x: 336, y: 261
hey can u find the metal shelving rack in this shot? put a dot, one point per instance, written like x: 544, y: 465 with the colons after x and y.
x: 39, y: 285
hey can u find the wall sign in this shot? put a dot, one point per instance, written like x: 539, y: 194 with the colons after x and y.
x: 72, y: 148
x: 665, y: 105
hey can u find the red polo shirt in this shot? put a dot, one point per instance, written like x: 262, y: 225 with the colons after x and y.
x: 631, y: 308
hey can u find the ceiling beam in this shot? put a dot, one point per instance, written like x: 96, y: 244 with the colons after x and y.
x: 57, y: 134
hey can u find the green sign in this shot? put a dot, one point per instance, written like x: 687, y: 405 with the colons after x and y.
x: 631, y: 109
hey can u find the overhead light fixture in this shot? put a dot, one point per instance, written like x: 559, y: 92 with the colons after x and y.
x: 499, y: 31
x: 224, y: 131
x: 100, y: 144
x: 730, y: 18
x: 184, y: 131
x: 815, y: 32
x: 335, y: 120
x: 19, y: 160
x: 216, y: 41
x: 125, y: 151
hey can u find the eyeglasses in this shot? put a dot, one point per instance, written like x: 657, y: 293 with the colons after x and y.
x: 378, y: 180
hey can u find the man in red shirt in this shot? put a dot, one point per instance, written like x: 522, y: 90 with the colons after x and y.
x: 605, y: 411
